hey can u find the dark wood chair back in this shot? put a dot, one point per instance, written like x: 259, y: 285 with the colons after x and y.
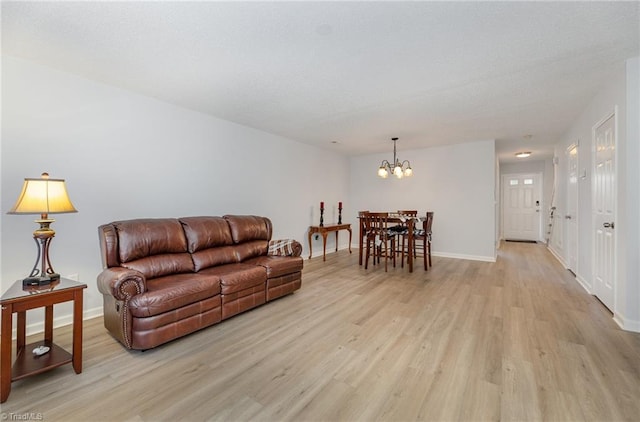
x: 409, y: 213
x: 426, y: 224
x: 378, y: 239
x: 379, y: 222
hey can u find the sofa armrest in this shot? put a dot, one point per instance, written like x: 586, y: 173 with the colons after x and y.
x: 121, y: 283
x: 284, y: 247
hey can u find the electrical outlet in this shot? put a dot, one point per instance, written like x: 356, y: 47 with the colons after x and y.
x: 73, y: 277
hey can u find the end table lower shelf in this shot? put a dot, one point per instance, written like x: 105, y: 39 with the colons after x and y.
x: 27, y: 363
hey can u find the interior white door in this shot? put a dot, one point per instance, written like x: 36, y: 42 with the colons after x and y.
x: 604, y: 197
x: 571, y: 215
x: 521, y: 206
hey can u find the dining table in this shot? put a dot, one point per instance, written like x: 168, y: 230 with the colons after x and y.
x: 394, y: 217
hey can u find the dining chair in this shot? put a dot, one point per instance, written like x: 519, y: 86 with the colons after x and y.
x: 422, y: 240
x: 362, y: 235
x: 403, y: 233
x: 380, y: 242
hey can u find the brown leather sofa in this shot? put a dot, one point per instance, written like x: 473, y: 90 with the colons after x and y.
x: 165, y: 278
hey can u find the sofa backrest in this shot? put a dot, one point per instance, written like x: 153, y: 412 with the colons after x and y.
x: 209, y: 241
x: 155, y: 247
x: 250, y: 234
x: 163, y: 246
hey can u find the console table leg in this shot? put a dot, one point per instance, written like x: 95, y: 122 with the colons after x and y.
x: 324, y: 246
x: 310, y: 244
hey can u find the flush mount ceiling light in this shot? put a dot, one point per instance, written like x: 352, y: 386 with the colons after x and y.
x: 398, y: 168
x: 525, y: 154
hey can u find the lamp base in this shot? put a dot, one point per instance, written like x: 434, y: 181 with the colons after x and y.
x: 40, y: 281
x: 43, y: 237
x: 36, y: 281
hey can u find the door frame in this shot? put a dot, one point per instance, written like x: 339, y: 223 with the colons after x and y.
x: 614, y: 281
x: 540, y: 177
x: 576, y: 217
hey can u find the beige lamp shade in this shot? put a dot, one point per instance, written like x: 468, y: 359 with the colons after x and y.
x: 43, y: 196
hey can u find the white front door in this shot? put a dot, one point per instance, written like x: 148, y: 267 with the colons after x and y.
x: 571, y: 215
x: 521, y: 206
x: 604, y: 197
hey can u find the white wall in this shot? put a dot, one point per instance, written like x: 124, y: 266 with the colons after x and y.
x: 456, y: 182
x: 630, y: 298
x: 127, y: 156
x: 620, y: 92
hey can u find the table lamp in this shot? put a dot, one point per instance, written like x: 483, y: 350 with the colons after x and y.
x: 43, y: 196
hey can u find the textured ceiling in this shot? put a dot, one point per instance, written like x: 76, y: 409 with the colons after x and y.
x: 346, y: 76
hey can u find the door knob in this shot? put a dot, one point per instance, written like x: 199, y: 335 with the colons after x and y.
x: 608, y: 225
x: 568, y: 217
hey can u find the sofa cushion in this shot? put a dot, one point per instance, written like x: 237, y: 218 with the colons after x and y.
x: 277, y: 266
x: 209, y: 241
x: 172, y: 292
x: 245, y: 228
x: 206, y: 232
x: 237, y: 277
x: 161, y: 265
x: 146, y: 237
x: 250, y: 249
x: 214, y: 256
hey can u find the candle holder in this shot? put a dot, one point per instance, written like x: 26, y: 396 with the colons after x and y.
x: 321, y: 216
x: 340, y: 214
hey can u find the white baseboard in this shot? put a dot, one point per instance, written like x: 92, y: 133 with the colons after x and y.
x: 581, y: 280
x: 585, y: 285
x: 557, y: 255
x: 305, y: 254
x: 625, y: 324
x: 463, y: 256
x: 455, y: 256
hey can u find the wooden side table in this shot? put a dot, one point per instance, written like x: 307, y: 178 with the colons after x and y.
x: 20, y: 299
x: 323, y: 231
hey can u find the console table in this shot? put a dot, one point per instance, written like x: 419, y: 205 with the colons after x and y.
x: 323, y: 231
x: 20, y: 299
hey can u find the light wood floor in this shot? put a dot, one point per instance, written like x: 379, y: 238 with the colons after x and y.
x: 514, y: 340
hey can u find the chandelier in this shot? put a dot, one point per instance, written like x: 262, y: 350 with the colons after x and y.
x: 398, y: 168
